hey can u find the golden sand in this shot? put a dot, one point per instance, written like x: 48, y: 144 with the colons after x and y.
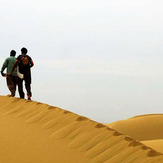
x: 155, y: 144
x: 145, y: 128
x: 32, y: 132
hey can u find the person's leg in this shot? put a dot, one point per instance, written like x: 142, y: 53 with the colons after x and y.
x: 27, y: 78
x: 10, y: 84
x: 15, y: 80
x: 20, y: 88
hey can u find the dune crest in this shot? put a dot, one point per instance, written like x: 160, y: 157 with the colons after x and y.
x: 32, y: 132
x: 155, y: 144
x: 144, y: 128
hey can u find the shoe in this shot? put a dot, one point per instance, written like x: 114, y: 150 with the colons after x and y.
x: 9, y: 95
x: 28, y: 96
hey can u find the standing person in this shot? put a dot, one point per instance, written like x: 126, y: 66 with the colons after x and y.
x: 12, y: 78
x: 24, y: 64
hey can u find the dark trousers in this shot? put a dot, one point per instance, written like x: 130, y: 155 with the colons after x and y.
x: 27, y: 80
x: 11, y: 84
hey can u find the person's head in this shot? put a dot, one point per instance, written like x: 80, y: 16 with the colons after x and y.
x: 24, y: 51
x: 13, y: 53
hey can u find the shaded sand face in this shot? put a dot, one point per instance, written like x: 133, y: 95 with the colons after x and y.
x: 31, y: 132
x: 146, y: 128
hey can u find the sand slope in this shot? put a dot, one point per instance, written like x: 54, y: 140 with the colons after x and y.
x: 155, y: 144
x: 146, y: 128
x: 31, y: 132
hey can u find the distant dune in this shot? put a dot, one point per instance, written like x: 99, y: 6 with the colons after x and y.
x: 146, y: 128
x: 155, y: 144
x: 32, y: 132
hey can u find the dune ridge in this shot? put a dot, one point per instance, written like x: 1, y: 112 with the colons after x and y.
x: 154, y: 144
x: 32, y: 132
x: 144, y: 128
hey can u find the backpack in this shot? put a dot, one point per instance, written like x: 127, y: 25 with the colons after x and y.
x: 24, y: 61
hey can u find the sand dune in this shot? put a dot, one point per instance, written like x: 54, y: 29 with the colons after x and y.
x: 146, y: 128
x: 31, y: 132
x: 155, y: 144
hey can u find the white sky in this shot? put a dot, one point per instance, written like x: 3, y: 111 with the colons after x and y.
x: 98, y: 58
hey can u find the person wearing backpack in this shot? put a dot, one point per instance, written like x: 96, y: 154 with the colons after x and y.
x: 24, y: 64
x: 10, y: 79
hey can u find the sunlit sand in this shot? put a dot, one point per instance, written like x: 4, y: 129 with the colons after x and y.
x: 32, y: 132
x: 146, y: 128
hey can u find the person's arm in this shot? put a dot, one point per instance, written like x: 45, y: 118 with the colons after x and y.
x: 31, y: 63
x: 16, y: 62
x: 3, y: 67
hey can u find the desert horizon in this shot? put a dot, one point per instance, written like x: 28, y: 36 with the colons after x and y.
x: 92, y: 72
x: 105, y: 56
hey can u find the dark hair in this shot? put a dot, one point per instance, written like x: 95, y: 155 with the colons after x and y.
x: 24, y: 51
x: 13, y: 53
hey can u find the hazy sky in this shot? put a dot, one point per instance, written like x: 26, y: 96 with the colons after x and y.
x: 98, y: 58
